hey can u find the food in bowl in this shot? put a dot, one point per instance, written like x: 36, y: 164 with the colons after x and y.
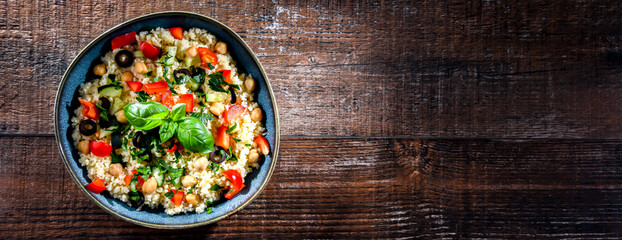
x: 166, y: 119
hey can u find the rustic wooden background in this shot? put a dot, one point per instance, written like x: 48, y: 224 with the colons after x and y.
x: 437, y: 119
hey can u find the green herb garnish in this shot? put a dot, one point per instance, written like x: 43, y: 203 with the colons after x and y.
x: 142, y: 96
x: 215, y: 187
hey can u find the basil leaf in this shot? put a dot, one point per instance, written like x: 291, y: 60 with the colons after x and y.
x: 194, y: 136
x: 147, y: 115
x: 179, y: 111
x: 204, y: 117
x: 167, y: 130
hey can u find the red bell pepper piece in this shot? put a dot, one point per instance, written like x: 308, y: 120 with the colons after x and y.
x: 149, y: 50
x: 227, y: 75
x: 173, y: 146
x: 177, y: 32
x: 222, y: 137
x: 135, y: 86
x: 207, y: 56
x: 188, y: 99
x: 156, y: 87
x: 233, y: 112
x: 263, y: 145
x: 100, y: 149
x: 96, y: 186
x: 89, y: 110
x: 236, y: 182
x: 178, y: 197
x: 123, y: 40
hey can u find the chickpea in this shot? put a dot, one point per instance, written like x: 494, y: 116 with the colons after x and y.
x: 193, y: 199
x: 221, y: 47
x: 150, y: 186
x: 127, y: 77
x: 253, y: 156
x: 256, y: 115
x: 249, y: 84
x: 115, y: 169
x: 140, y: 67
x: 99, y: 69
x: 200, y: 164
x: 191, y: 52
x: 217, y: 108
x: 120, y: 115
x: 188, y: 181
x: 84, y: 146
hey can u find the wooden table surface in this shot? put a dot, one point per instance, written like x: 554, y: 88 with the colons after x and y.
x: 438, y: 119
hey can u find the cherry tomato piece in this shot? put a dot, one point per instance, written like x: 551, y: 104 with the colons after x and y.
x: 236, y: 182
x: 207, y: 56
x: 177, y: 32
x: 89, y: 110
x: 263, y: 145
x: 233, y: 112
x: 100, y: 149
x: 167, y: 99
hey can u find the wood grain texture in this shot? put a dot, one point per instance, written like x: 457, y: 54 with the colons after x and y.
x: 360, y: 188
x: 523, y: 69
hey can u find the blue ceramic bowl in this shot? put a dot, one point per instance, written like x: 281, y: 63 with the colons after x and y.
x: 75, y: 75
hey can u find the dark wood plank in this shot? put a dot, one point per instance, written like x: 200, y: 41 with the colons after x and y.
x: 381, y: 68
x: 360, y: 188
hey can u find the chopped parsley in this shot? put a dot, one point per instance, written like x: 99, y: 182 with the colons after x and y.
x: 142, y: 96
x: 215, y: 187
x: 145, y: 171
x: 169, y: 194
x: 148, y: 74
x: 214, y: 167
x: 217, y: 81
x: 232, y: 128
x: 237, y: 140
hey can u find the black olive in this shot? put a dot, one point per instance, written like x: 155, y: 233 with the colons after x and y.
x: 88, y: 127
x: 139, y: 140
x: 124, y: 58
x: 116, y: 140
x: 137, y: 199
x: 218, y: 155
x: 182, y: 71
x: 104, y: 102
x: 233, y: 97
x: 104, y: 124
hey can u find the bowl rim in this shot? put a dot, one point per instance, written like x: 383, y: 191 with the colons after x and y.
x: 148, y: 224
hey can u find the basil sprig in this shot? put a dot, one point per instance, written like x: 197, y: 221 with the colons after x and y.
x: 190, y: 131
